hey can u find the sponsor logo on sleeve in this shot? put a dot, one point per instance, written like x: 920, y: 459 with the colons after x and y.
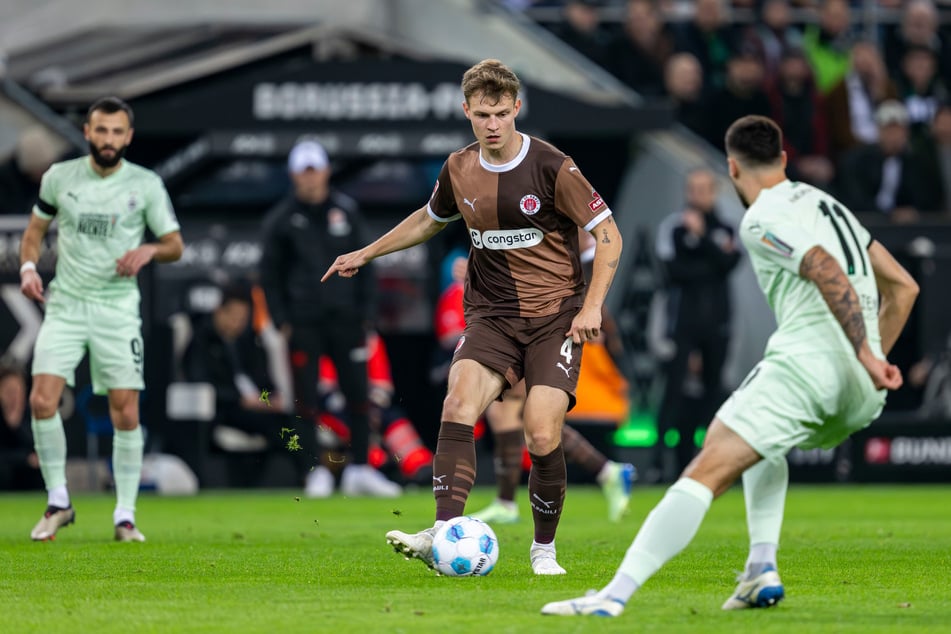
x: 596, y: 203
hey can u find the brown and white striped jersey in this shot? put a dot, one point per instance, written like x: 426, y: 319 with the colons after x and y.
x: 523, y: 220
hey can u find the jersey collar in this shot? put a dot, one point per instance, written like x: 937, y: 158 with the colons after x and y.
x: 515, y: 162
x: 89, y: 168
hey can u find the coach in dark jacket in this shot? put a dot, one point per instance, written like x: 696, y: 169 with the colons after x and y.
x: 698, y: 251
x: 303, y: 235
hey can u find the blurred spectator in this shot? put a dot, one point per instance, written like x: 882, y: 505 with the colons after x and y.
x: 827, y: 43
x: 698, y: 251
x: 303, y: 234
x: 892, y: 176
x: 581, y: 29
x: 921, y: 87
x: 941, y: 134
x: 743, y: 94
x: 797, y: 108
x: 226, y: 353
x: 19, y: 466
x: 932, y: 375
x: 919, y: 26
x: 36, y: 149
x: 637, y: 54
x: 773, y: 34
x: 683, y: 80
x: 711, y: 38
x: 850, y: 105
x: 394, y: 441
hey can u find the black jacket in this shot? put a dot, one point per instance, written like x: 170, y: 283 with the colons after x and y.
x: 697, y: 273
x: 860, y: 178
x: 300, y: 243
x: 209, y: 359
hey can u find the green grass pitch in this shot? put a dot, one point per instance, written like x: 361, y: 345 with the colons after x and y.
x: 854, y: 559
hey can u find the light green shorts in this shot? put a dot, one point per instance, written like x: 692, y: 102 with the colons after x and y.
x: 112, y: 336
x: 804, y: 401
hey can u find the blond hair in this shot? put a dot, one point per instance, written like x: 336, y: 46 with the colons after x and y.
x: 493, y: 79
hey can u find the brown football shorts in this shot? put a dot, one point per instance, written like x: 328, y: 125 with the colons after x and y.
x: 535, y: 349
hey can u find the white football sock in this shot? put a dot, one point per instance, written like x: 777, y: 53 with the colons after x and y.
x: 764, y: 490
x: 49, y: 440
x: 127, y: 448
x: 666, y: 531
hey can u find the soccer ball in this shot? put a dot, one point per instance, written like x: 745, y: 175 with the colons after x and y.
x: 464, y: 547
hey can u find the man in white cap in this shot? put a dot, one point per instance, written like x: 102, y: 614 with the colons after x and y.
x: 302, y: 235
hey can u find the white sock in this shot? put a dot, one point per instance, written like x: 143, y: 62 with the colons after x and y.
x: 666, y: 531
x: 49, y: 440
x: 764, y: 490
x: 58, y: 497
x: 620, y: 588
x: 127, y: 446
x: 603, y: 473
x: 537, y: 546
x: 762, y: 557
x: 123, y: 515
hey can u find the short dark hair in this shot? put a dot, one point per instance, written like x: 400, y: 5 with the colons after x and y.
x: 111, y: 105
x: 755, y: 141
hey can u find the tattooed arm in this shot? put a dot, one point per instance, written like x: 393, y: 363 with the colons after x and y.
x: 586, y: 325
x: 824, y: 271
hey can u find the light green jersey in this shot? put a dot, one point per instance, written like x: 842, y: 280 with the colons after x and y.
x: 778, y: 229
x: 98, y: 220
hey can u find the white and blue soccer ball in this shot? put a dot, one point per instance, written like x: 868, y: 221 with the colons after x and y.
x: 465, y: 547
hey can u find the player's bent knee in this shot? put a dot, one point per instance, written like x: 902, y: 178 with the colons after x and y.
x: 541, y: 442
x: 43, y: 405
x: 459, y: 410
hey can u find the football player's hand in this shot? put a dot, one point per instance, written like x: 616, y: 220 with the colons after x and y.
x: 346, y: 265
x: 132, y: 261
x: 31, y: 285
x: 884, y: 374
x: 586, y: 326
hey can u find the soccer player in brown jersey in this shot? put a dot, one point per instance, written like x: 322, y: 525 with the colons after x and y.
x: 527, y: 308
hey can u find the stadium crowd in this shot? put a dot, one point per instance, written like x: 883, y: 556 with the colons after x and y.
x: 847, y: 91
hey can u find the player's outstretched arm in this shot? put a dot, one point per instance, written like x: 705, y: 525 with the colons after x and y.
x: 416, y: 228
x: 824, y: 271
x: 898, y: 292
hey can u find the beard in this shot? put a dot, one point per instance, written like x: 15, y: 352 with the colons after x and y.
x: 103, y: 161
